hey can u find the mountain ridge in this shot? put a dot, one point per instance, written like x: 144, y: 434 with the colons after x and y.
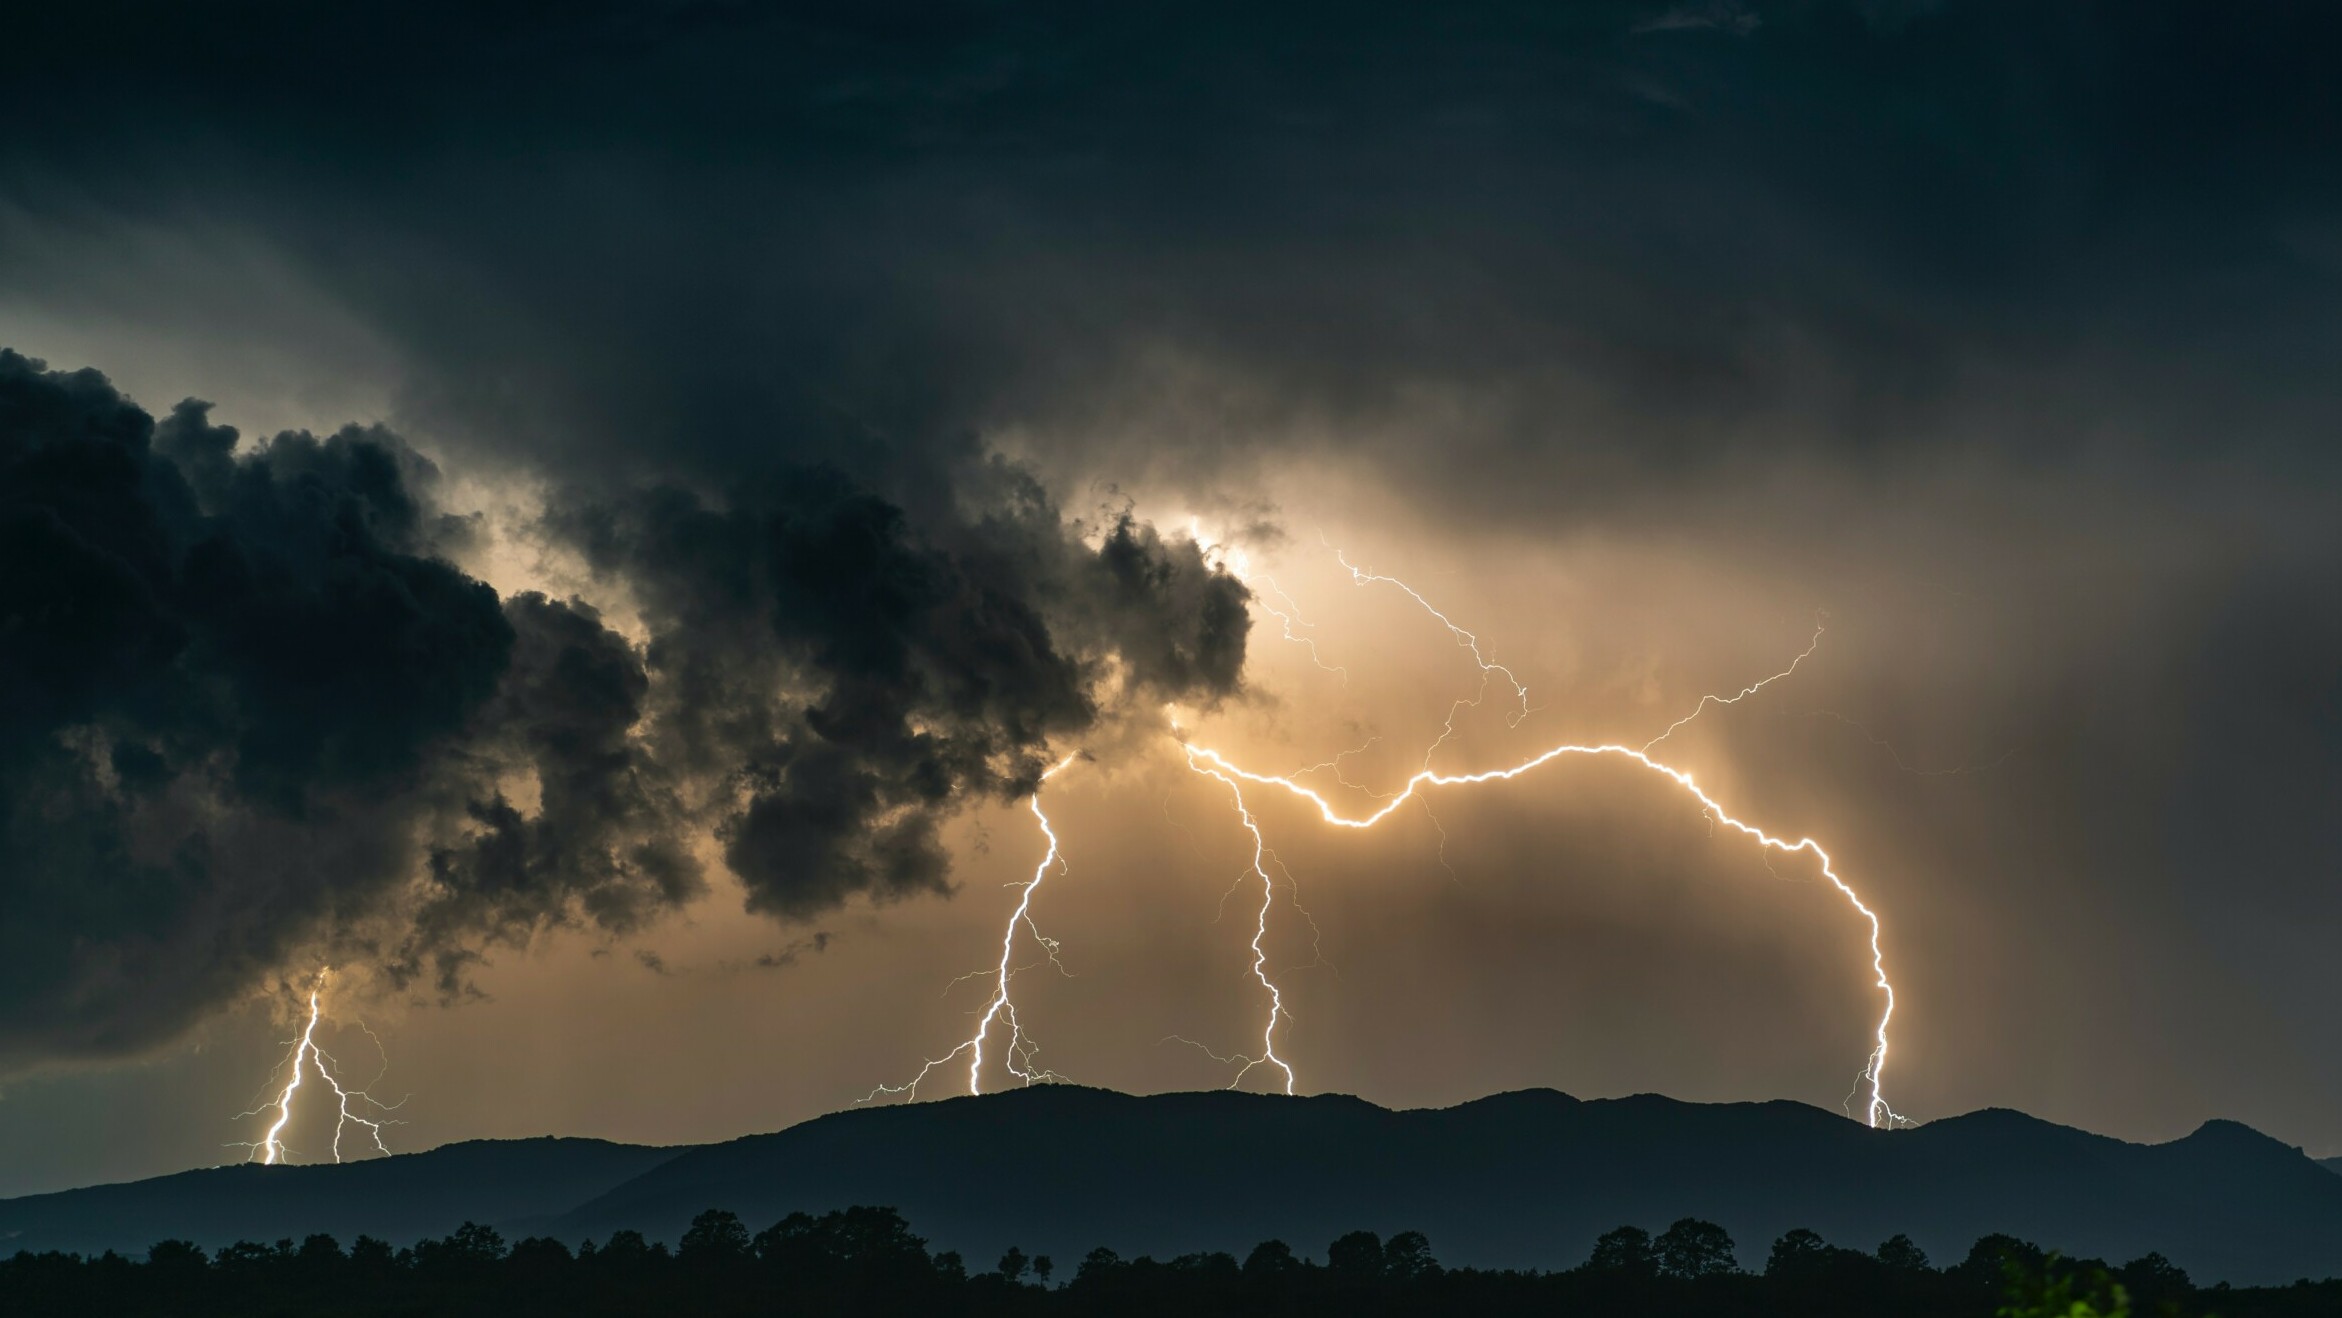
x: 1524, y: 1178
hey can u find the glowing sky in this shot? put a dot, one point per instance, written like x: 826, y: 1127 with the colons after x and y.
x: 785, y: 437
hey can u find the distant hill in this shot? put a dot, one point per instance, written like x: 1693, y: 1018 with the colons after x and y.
x: 1520, y: 1180
x: 399, y: 1199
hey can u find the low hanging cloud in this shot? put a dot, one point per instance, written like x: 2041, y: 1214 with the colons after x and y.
x: 247, y: 707
x: 939, y: 674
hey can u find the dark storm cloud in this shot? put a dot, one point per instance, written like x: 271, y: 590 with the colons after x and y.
x: 938, y: 675
x: 247, y: 706
x: 205, y: 666
x: 603, y: 234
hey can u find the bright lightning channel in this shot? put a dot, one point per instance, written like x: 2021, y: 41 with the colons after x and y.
x: 270, y: 1149
x: 1018, y: 1053
x: 1745, y: 692
x: 1260, y: 932
x: 1466, y: 640
x: 1210, y: 763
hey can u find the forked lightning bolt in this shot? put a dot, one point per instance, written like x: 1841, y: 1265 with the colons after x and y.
x: 1260, y: 932
x: 1466, y: 640
x: 1019, y: 1051
x: 269, y: 1149
x: 1212, y: 764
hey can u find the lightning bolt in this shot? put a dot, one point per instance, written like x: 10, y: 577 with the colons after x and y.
x: 1211, y: 763
x: 1019, y: 1049
x: 1745, y: 692
x: 1464, y: 639
x: 269, y: 1149
x: 1237, y: 563
x: 1260, y: 931
x: 1018, y: 1053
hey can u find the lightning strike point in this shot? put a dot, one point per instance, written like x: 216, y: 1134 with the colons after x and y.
x: 1019, y: 1052
x: 269, y: 1149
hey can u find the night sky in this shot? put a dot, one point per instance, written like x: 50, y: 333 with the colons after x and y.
x: 592, y: 520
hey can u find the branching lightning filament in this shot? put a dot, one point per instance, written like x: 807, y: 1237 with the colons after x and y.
x: 1745, y: 692
x: 1260, y: 932
x: 1211, y: 763
x: 1873, y: 1073
x: 1466, y: 640
x: 353, y: 1104
x: 1020, y: 1050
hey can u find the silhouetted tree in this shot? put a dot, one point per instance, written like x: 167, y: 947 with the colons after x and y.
x: 244, y: 1254
x: 866, y: 1260
x: 1901, y: 1253
x: 1270, y: 1259
x: 1042, y: 1267
x: 473, y: 1243
x: 1991, y: 1257
x: 715, y: 1238
x: 540, y: 1254
x: 1097, y: 1267
x: 625, y: 1247
x: 1797, y: 1251
x: 177, y: 1256
x: 2154, y: 1280
x: 1694, y: 1248
x: 1625, y: 1249
x: 1407, y: 1257
x: 786, y: 1243
x: 1356, y: 1256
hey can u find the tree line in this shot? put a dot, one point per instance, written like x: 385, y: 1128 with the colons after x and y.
x: 867, y: 1260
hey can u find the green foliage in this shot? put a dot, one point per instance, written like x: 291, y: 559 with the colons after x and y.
x: 2045, y: 1290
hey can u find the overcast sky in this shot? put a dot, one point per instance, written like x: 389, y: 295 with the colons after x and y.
x: 667, y: 478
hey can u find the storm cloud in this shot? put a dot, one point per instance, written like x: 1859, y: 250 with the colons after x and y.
x: 251, y: 708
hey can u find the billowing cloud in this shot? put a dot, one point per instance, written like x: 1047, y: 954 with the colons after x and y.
x: 249, y: 707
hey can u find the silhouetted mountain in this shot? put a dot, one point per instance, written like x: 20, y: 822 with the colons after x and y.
x: 2331, y: 1164
x: 1520, y: 1180
x: 398, y: 1199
